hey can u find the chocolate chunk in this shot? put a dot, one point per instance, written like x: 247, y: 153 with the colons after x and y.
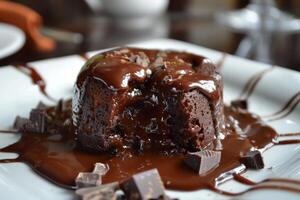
x: 87, y: 179
x: 239, y: 103
x: 253, y: 160
x: 101, y: 169
x: 41, y: 106
x: 20, y: 123
x: 38, y: 118
x: 101, y: 192
x: 144, y: 185
x: 202, y: 161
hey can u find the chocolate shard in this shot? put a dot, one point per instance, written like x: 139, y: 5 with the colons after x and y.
x: 38, y: 118
x: 101, y: 192
x: 20, y: 123
x: 144, y: 185
x: 101, y: 169
x: 203, y: 161
x: 41, y: 106
x: 87, y: 179
x: 252, y: 160
x: 239, y: 103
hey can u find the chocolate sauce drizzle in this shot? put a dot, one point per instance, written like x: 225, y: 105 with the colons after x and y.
x: 288, y: 134
x: 252, y: 83
x: 286, y: 110
x: 36, y: 78
x: 244, y: 180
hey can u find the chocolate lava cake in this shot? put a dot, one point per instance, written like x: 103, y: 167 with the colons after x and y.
x: 139, y: 99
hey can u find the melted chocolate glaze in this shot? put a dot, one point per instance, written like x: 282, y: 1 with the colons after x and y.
x: 147, y: 93
x: 45, y: 153
x: 36, y: 78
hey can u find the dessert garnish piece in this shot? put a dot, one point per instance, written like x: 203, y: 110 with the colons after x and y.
x: 88, y: 179
x: 38, y: 119
x: 101, y: 192
x: 20, y: 123
x: 41, y: 105
x: 101, y: 169
x: 144, y: 185
x: 253, y: 160
x: 37, y: 122
x: 202, y: 161
x: 239, y: 103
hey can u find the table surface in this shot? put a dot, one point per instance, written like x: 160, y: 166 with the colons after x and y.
x: 100, y: 31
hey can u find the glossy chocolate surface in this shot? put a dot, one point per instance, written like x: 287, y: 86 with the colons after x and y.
x: 167, y: 99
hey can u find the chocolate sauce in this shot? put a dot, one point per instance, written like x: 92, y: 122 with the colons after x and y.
x: 251, y: 84
x: 246, y: 181
x: 260, y: 187
x: 286, y: 110
x: 288, y: 134
x: 283, y: 142
x: 36, y: 78
x: 45, y: 153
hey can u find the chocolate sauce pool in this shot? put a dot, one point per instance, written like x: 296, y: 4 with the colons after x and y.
x: 56, y: 157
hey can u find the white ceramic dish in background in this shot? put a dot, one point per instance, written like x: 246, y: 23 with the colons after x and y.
x: 11, y: 39
x: 18, y: 95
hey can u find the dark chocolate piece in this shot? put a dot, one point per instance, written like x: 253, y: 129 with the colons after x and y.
x: 87, y: 179
x: 41, y: 106
x: 203, y: 161
x: 20, y: 123
x: 101, y: 192
x: 101, y: 169
x: 38, y: 118
x: 253, y: 160
x: 239, y: 103
x: 144, y: 185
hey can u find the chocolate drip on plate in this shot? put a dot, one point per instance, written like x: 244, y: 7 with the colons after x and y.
x: 243, y: 180
x: 252, y: 83
x: 286, y: 110
x: 36, y: 78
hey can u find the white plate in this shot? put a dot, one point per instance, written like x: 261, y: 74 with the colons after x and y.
x: 18, y: 95
x: 11, y: 39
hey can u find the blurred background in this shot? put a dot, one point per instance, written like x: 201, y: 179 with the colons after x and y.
x: 263, y: 30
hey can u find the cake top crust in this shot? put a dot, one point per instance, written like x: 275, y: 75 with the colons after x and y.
x: 184, y: 71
